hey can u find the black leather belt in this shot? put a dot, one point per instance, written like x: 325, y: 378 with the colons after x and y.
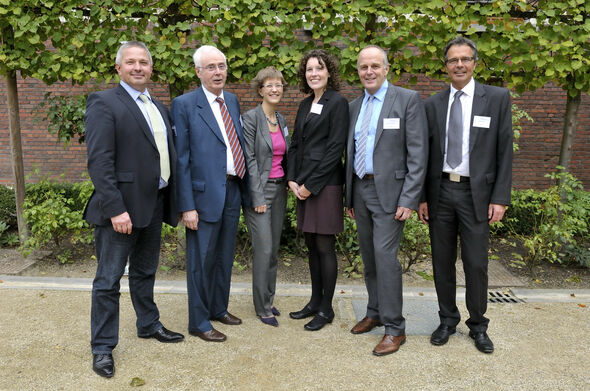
x: 455, y: 177
x: 276, y: 180
x: 234, y: 178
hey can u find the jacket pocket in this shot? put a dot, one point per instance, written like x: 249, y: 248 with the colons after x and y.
x: 125, y: 176
x: 198, y: 185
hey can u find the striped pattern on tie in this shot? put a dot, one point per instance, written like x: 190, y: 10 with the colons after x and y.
x: 361, y: 142
x: 232, y: 136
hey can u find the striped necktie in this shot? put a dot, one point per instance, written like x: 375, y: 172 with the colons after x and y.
x: 232, y: 136
x: 361, y: 142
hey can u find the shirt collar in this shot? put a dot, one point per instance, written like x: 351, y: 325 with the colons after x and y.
x: 211, y: 96
x: 380, y: 94
x: 133, y: 92
x: 468, y: 90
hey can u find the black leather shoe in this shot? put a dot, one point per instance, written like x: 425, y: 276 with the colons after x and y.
x: 305, y: 312
x: 103, y: 365
x: 165, y: 335
x: 441, y: 335
x: 483, y: 343
x: 319, y: 321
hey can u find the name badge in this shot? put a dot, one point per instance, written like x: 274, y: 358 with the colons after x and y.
x: 286, y: 131
x: 316, y: 108
x: 391, y: 123
x: 481, y: 122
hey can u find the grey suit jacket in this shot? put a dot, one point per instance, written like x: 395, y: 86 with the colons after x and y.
x: 258, y: 151
x: 399, y: 156
x: 490, y: 148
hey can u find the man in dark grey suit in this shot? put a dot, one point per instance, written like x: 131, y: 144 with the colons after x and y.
x: 131, y: 161
x: 385, y: 167
x: 467, y: 186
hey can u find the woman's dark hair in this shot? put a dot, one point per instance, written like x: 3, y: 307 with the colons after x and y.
x: 325, y: 59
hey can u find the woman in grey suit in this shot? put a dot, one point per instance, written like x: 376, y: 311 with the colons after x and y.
x: 266, y: 139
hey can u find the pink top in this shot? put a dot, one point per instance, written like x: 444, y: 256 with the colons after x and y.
x: 278, y: 153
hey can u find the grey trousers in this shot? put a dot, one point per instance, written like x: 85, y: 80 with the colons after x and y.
x: 265, y: 233
x: 379, y: 237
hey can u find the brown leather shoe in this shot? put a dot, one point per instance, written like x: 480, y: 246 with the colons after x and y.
x: 209, y: 336
x: 389, y: 344
x: 229, y: 319
x: 365, y: 325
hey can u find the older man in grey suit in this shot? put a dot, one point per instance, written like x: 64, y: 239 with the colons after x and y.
x: 385, y: 167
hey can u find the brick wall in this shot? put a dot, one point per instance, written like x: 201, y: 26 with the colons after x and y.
x: 538, y: 154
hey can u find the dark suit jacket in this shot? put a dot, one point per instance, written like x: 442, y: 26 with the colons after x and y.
x: 315, y: 154
x: 202, y: 160
x: 490, y: 149
x: 258, y: 151
x: 399, y: 155
x: 123, y: 160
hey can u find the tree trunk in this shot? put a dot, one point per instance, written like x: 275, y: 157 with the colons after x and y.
x: 570, y: 124
x: 17, y: 152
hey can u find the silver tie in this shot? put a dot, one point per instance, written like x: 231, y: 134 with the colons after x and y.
x: 159, y: 137
x: 455, y: 133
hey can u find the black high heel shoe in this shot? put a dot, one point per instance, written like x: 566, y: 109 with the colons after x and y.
x: 319, y: 321
x: 305, y: 312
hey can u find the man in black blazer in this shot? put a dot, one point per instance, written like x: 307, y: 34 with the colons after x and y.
x: 385, y: 167
x: 467, y: 186
x: 131, y: 161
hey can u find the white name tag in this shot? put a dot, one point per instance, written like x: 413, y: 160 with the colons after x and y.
x: 286, y: 131
x: 481, y: 122
x: 391, y: 123
x: 316, y: 108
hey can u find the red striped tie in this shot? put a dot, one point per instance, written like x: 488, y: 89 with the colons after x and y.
x: 232, y: 136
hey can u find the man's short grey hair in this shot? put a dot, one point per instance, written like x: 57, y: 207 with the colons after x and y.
x: 385, y: 62
x: 131, y: 44
x: 203, y: 49
x: 461, y: 41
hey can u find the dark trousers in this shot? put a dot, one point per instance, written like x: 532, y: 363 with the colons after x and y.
x: 379, y: 237
x: 113, y: 249
x: 456, y: 217
x: 210, y: 257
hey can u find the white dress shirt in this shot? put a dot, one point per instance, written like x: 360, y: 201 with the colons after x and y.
x: 466, y: 106
x: 231, y: 170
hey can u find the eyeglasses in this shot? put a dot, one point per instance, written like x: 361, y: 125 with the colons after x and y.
x: 213, y: 67
x: 270, y: 86
x: 455, y: 61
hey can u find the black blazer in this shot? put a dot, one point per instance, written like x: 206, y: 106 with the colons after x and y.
x: 490, y: 148
x: 317, y: 144
x: 123, y: 160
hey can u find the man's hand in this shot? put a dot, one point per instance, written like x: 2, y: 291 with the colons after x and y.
x: 402, y: 213
x: 350, y: 212
x: 190, y: 218
x: 496, y: 212
x: 260, y: 209
x: 122, y: 223
x: 423, y: 212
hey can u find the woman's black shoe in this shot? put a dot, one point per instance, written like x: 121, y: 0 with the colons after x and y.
x: 319, y: 321
x: 306, y: 312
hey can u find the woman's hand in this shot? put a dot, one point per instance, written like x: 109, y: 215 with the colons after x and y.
x: 260, y: 209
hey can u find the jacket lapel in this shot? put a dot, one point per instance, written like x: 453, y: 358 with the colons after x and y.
x: 205, y: 112
x: 442, y: 107
x: 261, y: 121
x: 386, y: 108
x: 479, y: 107
x: 134, y: 109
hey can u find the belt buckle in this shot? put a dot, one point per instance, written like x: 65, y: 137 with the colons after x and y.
x: 454, y: 177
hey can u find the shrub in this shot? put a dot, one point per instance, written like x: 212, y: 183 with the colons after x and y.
x: 415, y: 243
x: 53, y: 212
x: 7, y: 206
x: 552, y: 224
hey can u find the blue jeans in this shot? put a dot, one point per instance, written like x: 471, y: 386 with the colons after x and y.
x: 113, y: 249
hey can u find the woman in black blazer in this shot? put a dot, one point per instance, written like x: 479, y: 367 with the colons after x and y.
x: 266, y: 138
x: 315, y: 175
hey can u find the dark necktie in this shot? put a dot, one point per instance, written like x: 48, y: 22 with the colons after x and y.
x: 232, y: 137
x: 455, y: 134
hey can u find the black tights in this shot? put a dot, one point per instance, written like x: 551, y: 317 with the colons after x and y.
x: 323, y: 268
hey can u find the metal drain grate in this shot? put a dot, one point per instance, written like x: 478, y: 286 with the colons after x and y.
x: 503, y: 297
